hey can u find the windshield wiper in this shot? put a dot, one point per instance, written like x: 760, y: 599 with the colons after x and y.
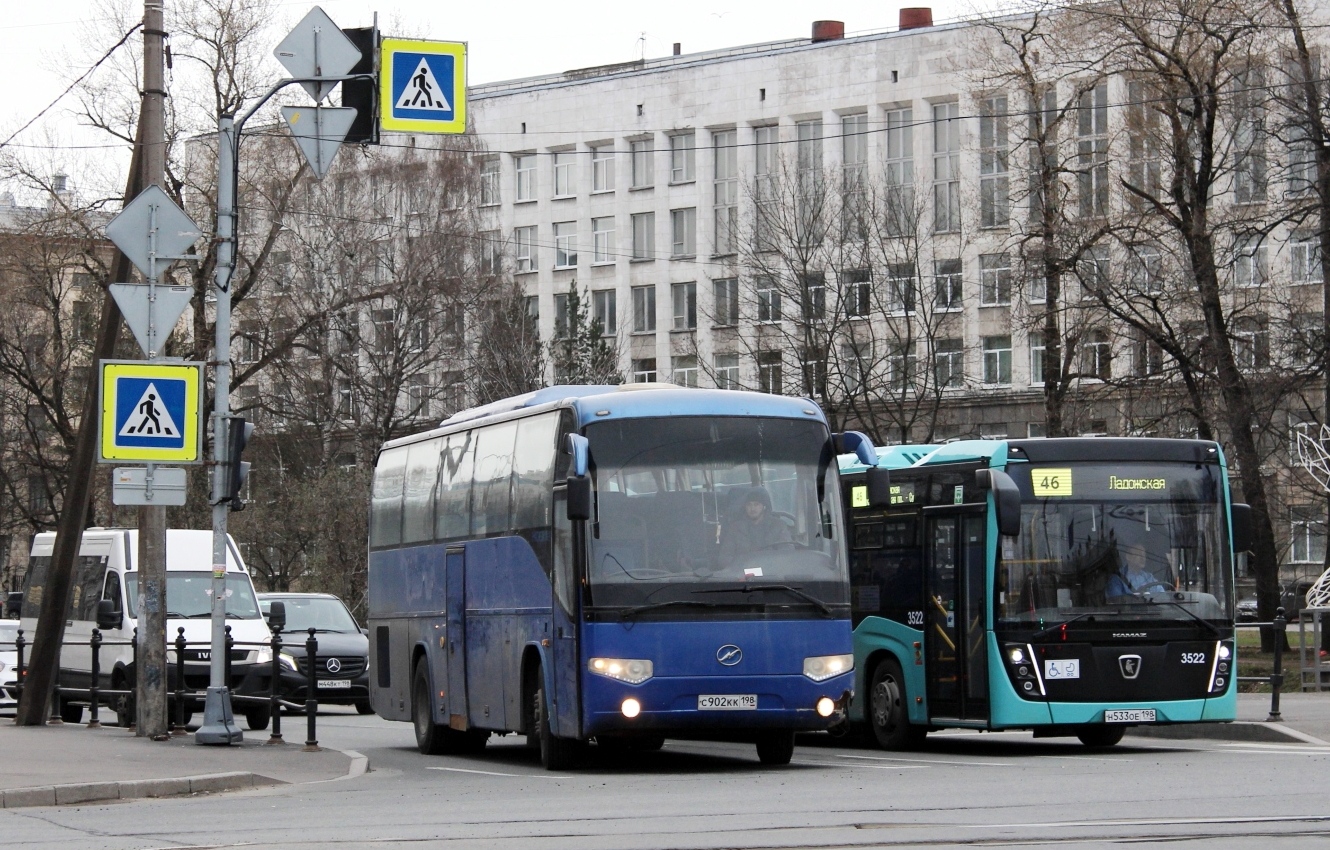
x: 1150, y: 600
x: 633, y: 612
x: 793, y: 591
x: 1056, y: 626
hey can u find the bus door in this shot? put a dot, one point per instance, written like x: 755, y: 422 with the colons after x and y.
x: 955, y: 640
x: 565, y: 654
x: 454, y: 658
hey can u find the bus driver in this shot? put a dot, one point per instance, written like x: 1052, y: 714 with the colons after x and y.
x: 1133, y: 578
x: 753, y: 529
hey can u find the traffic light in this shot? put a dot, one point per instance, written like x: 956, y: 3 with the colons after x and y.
x: 238, y: 434
x: 363, y: 95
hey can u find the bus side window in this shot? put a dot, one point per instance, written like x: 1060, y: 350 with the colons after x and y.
x: 422, y: 472
x: 492, y: 509
x: 385, y: 513
x: 533, y: 471
x: 453, y: 506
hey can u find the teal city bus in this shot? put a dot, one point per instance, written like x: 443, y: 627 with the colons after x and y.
x: 1073, y: 587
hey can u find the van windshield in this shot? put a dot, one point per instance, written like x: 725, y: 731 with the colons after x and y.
x: 189, y: 595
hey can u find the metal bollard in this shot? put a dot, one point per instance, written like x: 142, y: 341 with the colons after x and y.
x: 311, y: 702
x: 228, y: 643
x: 180, y: 645
x: 1277, y: 675
x: 94, y: 722
x: 274, y: 697
x: 20, y: 672
x: 131, y: 683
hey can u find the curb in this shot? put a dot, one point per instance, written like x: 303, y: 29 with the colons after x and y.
x: 96, y: 792
x: 1240, y: 730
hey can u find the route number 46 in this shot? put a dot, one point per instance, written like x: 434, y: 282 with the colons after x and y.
x: 1047, y: 483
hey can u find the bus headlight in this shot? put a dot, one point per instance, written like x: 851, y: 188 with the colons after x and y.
x: 634, y: 671
x: 822, y: 667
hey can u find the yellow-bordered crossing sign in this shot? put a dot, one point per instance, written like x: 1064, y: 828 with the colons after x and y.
x: 422, y: 86
x: 150, y: 411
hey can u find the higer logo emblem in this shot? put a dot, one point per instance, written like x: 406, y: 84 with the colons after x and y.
x: 729, y: 655
x: 1130, y: 666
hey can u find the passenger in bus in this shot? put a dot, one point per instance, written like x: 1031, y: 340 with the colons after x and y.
x: 1133, y: 578
x: 754, y: 528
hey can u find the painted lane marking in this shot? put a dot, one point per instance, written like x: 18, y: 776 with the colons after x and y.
x: 495, y: 773
x: 932, y: 761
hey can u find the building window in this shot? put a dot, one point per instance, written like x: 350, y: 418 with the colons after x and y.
x: 644, y: 371
x: 770, y: 377
x: 725, y: 154
x: 727, y: 371
x: 251, y: 344
x: 1305, y: 251
x: 682, y: 157
x: 994, y: 177
x: 564, y: 176
x: 997, y: 360
x: 856, y: 360
x: 994, y: 280
x: 644, y: 309
x: 605, y: 309
x: 345, y: 400
x: 1149, y: 357
x: 899, y: 214
x: 858, y: 288
x: 489, y: 182
x: 683, y: 232
x: 768, y: 299
x: 1250, y: 167
x: 1251, y: 342
x: 808, y: 147
x: 1093, y: 271
x: 491, y: 252
x: 854, y: 174
x: 1301, y: 160
x: 813, y: 368
x: 1307, y: 541
x: 684, y: 297
x: 902, y: 287
x: 725, y: 293
x: 418, y: 397
x: 949, y: 363
x: 1307, y: 338
x: 1143, y: 162
x: 525, y: 167
x: 561, y: 315
x: 947, y: 284
x: 602, y: 168
x: 946, y: 167
x: 642, y: 152
x: 1092, y: 151
x: 1037, y: 349
x: 813, y: 296
x: 1097, y: 355
x: 683, y: 371
x: 565, y: 244
x: 1249, y: 262
x: 1145, y: 264
x: 524, y: 248
x: 644, y: 236
x: 385, y: 330
x: 602, y: 239
x: 766, y: 175
x: 902, y: 368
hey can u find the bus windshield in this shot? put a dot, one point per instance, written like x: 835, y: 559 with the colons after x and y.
x: 1119, y: 542
x: 708, y: 517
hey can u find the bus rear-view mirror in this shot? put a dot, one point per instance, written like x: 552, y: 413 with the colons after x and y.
x: 1241, y: 527
x: 1006, y: 499
x: 579, y: 497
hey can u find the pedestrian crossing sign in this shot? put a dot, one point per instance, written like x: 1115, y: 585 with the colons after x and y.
x: 422, y: 86
x: 150, y: 411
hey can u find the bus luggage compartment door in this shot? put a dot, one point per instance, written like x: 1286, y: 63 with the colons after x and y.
x: 454, y: 656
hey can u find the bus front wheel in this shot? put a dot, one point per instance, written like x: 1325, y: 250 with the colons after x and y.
x: 555, y: 753
x: 1101, y: 736
x: 776, y: 747
x: 887, y: 712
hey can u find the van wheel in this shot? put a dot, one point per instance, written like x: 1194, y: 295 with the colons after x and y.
x: 887, y: 713
x: 363, y: 707
x: 555, y: 753
x: 71, y: 713
x: 776, y: 747
x: 1101, y: 736
x: 257, y: 718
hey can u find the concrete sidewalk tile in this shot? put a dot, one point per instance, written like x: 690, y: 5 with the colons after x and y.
x: 22, y: 797
x: 86, y: 792
x: 132, y: 789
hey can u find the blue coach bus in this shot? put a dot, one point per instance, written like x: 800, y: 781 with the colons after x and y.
x: 1074, y: 587
x: 613, y: 564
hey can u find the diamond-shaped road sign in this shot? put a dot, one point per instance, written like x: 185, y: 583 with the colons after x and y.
x: 317, y: 48
x: 319, y: 131
x: 151, y: 227
x: 151, y: 319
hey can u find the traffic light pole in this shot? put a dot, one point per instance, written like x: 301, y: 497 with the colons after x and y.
x: 219, y: 725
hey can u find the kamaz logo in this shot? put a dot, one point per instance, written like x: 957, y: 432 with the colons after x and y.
x: 1130, y: 634
x: 1130, y: 666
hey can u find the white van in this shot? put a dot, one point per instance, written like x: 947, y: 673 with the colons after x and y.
x: 106, y: 570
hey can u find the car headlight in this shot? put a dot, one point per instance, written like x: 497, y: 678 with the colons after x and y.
x: 2, y: 666
x: 634, y: 671
x: 821, y: 667
x: 288, y: 661
x: 263, y: 655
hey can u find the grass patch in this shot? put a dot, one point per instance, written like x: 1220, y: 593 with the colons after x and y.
x: 1253, y: 662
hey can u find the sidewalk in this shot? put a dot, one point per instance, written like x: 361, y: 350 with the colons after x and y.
x: 70, y: 763
x: 1305, y: 720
